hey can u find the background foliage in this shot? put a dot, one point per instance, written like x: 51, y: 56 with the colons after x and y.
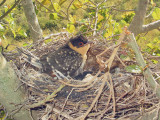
x: 79, y: 16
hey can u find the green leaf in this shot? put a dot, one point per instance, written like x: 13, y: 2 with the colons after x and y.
x: 1, y: 28
x: 133, y: 69
x: 45, y: 2
x: 24, y: 34
x: 77, y: 4
x: 154, y: 61
x: 25, y: 44
x: 70, y: 28
x: 53, y: 16
x: 48, y: 40
x: 61, y: 2
x: 72, y: 18
x: 156, y: 14
x: 57, y: 7
x: 150, y: 45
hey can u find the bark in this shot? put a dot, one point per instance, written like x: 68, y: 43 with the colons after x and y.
x: 35, y: 30
x: 151, y: 26
x: 10, y: 98
x: 138, y: 20
x: 136, y: 25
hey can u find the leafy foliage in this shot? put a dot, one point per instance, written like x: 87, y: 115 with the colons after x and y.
x: 156, y: 13
x: 10, y: 26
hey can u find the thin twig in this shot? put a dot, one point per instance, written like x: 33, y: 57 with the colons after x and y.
x: 48, y: 98
x: 94, y: 101
x: 6, y: 13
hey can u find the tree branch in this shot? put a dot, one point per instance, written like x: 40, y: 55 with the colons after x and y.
x: 151, y: 26
x: 147, y: 72
x: 5, y: 14
x: 2, y: 2
x: 138, y: 20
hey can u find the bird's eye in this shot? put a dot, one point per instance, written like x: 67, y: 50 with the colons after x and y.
x: 80, y: 44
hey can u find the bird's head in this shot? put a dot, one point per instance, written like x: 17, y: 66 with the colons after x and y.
x: 80, y: 44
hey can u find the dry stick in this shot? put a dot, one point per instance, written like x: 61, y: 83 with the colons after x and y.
x: 63, y: 114
x: 109, y: 65
x: 109, y: 99
x: 113, y: 96
x: 48, y: 98
x: 106, y: 109
x: 83, y: 85
x: 90, y: 86
x: 120, y: 60
x: 109, y: 61
x: 94, y: 101
x: 66, y: 100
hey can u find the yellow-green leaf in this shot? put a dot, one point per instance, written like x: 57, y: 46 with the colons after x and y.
x: 61, y: 2
x: 156, y: 14
x: 72, y: 18
x: 100, y: 17
x: 57, y: 7
x: 150, y: 45
x: 45, y: 2
x: 133, y: 69
x: 77, y: 4
x: 55, y: 15
x: 70, y: 28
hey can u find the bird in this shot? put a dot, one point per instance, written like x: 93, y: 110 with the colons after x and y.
x: 66, y: 62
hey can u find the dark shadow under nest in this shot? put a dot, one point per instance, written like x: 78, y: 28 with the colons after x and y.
x: 127, y: 96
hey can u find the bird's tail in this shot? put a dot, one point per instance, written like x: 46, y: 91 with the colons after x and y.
x: 30, y: 58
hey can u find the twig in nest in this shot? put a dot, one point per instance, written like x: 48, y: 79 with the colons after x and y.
x: 83, y: 85
x: 113, y: 96
x: 94, y: 101
x: 109, y: 98
x: 48, y: 98
x: 63, y: 114
x: 90, y: 86
x: 110, y: 60
x: 120, y: 60
x: 67, y: 99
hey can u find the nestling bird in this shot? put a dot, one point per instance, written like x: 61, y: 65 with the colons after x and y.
x: 68, y: 61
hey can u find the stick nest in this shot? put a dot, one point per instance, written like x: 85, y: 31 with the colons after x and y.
x: 114, y: 94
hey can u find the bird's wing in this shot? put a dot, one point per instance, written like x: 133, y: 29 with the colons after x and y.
x: 66, y: 61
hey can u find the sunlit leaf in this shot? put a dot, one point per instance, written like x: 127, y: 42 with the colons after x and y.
x: 156, y: 14
x: 77, y: 4
x: 133, y: 69
x: 0, y: 42
x: 48, y: 40
x: 45, y: 2
x: 1, y: 28
x: 61, y: 2
x: 53, y: 16
x: 23, y: 33
x: 100, y: 17
x: 152, y: 3
x: 72, y: 18
x: 70, y: 28
x: 150, y: 45
x: 57, y: 7
x: 155, y: 61
x: 25, y: 44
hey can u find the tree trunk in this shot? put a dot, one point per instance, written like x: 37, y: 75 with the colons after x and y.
x: 11, y: 98
x: 35, y: 30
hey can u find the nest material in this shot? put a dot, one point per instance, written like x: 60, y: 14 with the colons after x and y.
x: 123, y: 95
